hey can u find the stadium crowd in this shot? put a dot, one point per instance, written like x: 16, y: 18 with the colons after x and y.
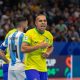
x: 63, y: 17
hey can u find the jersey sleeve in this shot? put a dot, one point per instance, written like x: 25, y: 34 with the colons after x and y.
x: 27, y: 38
x: 4, y: 45
x: 50, y: 39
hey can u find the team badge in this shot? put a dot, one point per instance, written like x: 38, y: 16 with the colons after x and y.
x: 25, y: 38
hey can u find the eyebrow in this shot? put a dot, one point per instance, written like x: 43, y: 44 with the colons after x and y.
x: 42, y: 20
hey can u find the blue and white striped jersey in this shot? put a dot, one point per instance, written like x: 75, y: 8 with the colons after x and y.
x: 13, y: 42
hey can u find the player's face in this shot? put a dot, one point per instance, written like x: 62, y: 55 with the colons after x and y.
x: 41, y: 23
x: 25, y: 23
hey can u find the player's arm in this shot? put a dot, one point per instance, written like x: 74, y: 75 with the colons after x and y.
x: 28, y: 48
x: 2, y: 53
x: 3, y: 57
x: 48, y: 52
x: 3, y: 47
x: 49, y: 49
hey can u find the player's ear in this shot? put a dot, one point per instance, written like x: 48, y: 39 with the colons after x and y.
x: 35, y: 23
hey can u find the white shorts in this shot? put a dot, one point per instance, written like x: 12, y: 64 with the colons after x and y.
x: 16, y: 75
x: 16, y: 72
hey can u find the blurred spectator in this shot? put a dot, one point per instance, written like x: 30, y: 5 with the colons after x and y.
x: 4, y: 19
x: 77, y: 24
x: 77, y: 13
x: 2, y: 34
x: 61, y: 26
x: 59, y: 37
x: 66, y: 13
x: 73, y: 34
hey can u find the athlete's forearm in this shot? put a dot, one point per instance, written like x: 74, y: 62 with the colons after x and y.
x: 48, y: 52
x: 2, y: 56
x: 26, y: 48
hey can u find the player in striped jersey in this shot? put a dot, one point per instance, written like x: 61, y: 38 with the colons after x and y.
x: 5, y: 65
x: 13, y: 43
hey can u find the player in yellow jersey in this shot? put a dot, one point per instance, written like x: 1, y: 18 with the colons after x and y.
x: 38, y: 45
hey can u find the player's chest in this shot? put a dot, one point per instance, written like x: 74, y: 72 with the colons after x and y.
x: 39, y: 38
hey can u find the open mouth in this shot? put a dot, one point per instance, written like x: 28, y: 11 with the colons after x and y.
x: 43, y: 25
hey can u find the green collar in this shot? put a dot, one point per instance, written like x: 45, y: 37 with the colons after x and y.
x: 39, y: 31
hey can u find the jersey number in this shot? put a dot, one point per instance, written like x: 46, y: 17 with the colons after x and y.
x: 14, y: 49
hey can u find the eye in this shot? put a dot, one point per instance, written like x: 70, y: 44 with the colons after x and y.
x: 45, y: 20
x: 40, y: 20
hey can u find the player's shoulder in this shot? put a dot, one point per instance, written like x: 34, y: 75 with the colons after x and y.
x: 48, y: 32
x: 19, y: 34
x: 48, y: 35
x: 30, y: 31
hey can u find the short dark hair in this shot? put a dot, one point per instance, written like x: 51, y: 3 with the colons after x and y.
x: 19, y: 19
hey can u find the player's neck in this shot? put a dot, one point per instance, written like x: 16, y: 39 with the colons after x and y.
x: 39, y: 31
x: 20, y: 29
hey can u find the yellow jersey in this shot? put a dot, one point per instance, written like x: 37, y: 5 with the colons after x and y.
x: 34, y: 59
x: 7, y: 52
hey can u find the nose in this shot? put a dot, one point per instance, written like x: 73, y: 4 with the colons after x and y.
x: 43, y: 22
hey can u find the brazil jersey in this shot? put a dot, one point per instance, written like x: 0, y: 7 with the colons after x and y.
x: 7, y: 51
x: 34, y: 59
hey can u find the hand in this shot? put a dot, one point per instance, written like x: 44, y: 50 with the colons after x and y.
x: 45, y: 55
x: 44, y: 45
x: 7, y: 61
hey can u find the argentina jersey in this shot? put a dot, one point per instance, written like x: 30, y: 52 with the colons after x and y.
x: 13, y: 42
